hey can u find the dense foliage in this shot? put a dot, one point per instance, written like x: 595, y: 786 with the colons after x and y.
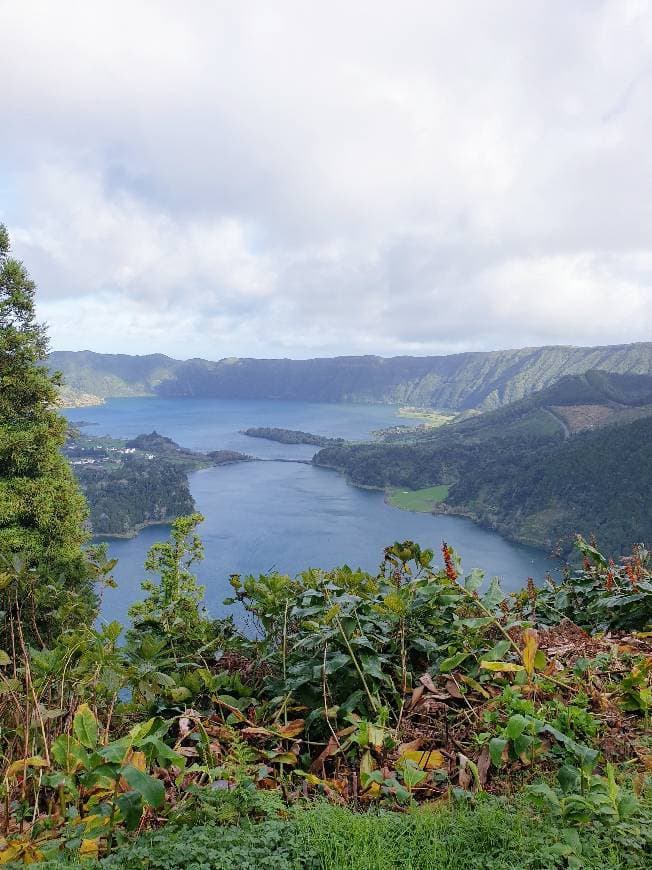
x: 457, y: 381
x: 381, y: 691
x: 42, y: 567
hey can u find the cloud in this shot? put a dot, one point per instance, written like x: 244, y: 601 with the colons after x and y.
x: 216, y: 179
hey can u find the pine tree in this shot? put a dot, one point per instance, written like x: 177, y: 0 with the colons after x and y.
x: 45, y: 578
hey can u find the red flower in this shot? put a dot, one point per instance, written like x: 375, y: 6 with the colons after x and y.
x: 447, y: 552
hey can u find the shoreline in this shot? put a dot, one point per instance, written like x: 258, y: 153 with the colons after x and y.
x: 127, y: 536
x: 445, y: 510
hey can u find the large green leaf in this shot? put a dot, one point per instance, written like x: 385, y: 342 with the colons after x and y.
x: 84, y: 726
x: 371, y: 665
x: 569, y: 778
x: 337, y: 661
x: 515, y: 726
x: 69, y: 754
x: 497, y: 652
x: 161, y: 751
x: 494, y: 595
x: 151, y: 789
x: 116, y: 751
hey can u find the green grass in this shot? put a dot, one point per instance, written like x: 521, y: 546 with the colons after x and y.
x: 418, y: 499
x: 490, y: 834
x: 426, y: 415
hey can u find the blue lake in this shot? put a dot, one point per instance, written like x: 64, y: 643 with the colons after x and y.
x: 261, y: 516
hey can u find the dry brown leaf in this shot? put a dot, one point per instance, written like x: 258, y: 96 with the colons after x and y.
x: 293, y: 728
x: 332, y: 748
x: 453, y: 690
x: 426, y: 680
x: 484, y: 763
x: 416, y: 696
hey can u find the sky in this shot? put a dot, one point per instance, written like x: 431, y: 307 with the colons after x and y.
x: 318, y: 178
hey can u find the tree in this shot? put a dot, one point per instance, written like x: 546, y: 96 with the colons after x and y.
x: 173, y: 607
x: 45, y: 577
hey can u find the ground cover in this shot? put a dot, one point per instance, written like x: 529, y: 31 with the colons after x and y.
x: 403, y: 717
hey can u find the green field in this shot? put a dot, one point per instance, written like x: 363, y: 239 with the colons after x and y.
x: 429, y: 416
x: 417, y: 499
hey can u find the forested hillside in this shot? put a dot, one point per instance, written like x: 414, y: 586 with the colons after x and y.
x: 458, y: 381
x: 519, y: 470
x: 131, y: 484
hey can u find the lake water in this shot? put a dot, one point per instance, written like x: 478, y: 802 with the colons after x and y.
x: 282, y: 515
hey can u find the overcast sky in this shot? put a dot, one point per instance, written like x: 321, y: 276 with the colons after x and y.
x: 321, y: 177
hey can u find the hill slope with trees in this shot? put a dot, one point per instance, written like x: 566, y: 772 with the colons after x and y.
x: 520, y: 471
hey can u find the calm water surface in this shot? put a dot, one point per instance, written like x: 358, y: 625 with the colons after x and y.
x: 278, y: 515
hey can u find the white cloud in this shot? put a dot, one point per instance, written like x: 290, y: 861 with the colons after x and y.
x: 297, y: 178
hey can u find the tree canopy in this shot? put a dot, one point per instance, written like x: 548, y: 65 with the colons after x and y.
x: 42, y: 512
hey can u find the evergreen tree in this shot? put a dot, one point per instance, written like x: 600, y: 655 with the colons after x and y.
x: 45, y: 578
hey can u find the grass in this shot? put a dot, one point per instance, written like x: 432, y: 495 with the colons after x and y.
x: 489, y: 834
x: 418, y: 499
x: 426, y: 415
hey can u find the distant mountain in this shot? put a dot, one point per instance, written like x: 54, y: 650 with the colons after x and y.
x: 484, y: 380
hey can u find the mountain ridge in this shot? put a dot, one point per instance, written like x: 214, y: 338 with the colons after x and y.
x: 463, y: 381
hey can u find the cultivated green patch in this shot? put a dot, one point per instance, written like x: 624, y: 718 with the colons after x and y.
x: 418, y: 499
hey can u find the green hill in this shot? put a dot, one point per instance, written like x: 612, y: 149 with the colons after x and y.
x: 459, y: 382
x: 522, y: 471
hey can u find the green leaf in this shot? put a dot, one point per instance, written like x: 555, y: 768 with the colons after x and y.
x: 515, y: 726
x: 151, y: 789
x: 497, y: 652
x: 509, y: 667
x: 4, y: 658
x: 496, y: 748
x: 69, y: 753
x: 336, y: 661
x: 412, y: 775
x: 572, y: 838
x: 540, y: 660
x: 494, y: 595
x: 452, y: 662
x: 569, y: 778
x: 522, y: 743
x: 474, y: 580
x: 541, y: 789
x: 131, y: 809
x: 116, y: 751
x: 371, y: 665
x: 162, y: 751
x: 84, y: 726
